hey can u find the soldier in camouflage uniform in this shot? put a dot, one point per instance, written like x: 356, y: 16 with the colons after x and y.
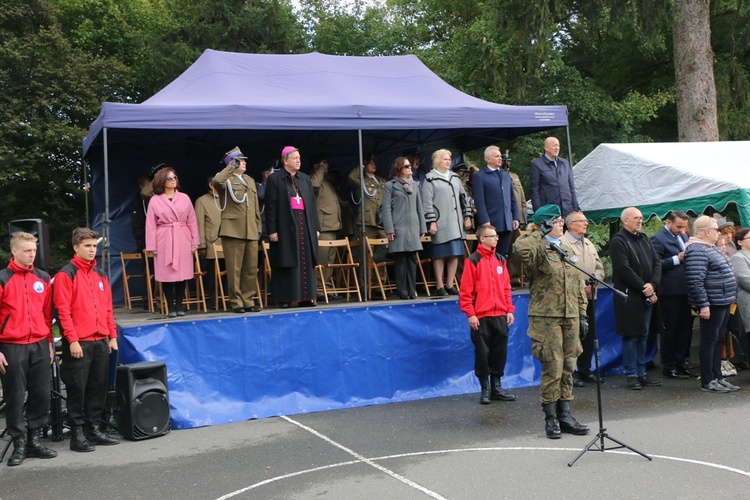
x: 557, y: 309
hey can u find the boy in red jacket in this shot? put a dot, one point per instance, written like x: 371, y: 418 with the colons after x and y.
x: 485, y: 298
x: 26, y: 348
x: 84, y: 304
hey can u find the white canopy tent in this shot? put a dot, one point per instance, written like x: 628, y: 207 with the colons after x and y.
x: 661, y: 177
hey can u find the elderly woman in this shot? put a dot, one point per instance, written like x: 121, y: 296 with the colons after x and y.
x: 403, y: 220
x: 172, y: 234
x: 293, y: 230
x: 448, y: 216
x: 712, y: 287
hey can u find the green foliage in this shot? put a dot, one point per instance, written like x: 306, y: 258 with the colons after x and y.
x: 49, y: 92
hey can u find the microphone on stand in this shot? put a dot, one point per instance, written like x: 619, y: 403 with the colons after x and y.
x: 559, y: 250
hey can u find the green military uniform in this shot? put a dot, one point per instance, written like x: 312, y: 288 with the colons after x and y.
x: 329, y: 214
x: 557, y: 300
x: 239, y: 231
x: 373, y: 199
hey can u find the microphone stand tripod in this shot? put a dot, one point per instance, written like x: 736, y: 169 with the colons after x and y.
x: 602, y: 434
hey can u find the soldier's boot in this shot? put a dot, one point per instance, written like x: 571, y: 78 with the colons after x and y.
x: 19, y: 451
x: 95, y: 435
x: 497, y: 393
x: 551, y: 424
x: 484, y: 399
x: 35, y: 449
x: 77, y: 440
x: 567, y: 422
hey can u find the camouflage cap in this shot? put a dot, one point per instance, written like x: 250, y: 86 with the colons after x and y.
x: 545, y: 213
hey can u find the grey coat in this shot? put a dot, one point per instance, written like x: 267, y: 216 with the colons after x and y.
x: 442, y: 204
x: 741, y: 264
x: 403, y: 215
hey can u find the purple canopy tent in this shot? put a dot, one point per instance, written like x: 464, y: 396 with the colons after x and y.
x: 337, y: 105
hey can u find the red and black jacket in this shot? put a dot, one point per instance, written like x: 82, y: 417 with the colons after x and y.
x: 25, y: 305
x: 485, y: 285
x: 83, y: 301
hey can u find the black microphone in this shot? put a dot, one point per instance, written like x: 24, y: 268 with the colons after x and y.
x: 559, y: 250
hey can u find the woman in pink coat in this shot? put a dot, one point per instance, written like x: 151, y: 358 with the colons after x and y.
x: 172, y: 234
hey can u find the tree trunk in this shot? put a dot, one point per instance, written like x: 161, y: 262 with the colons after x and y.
x: 694, y: 72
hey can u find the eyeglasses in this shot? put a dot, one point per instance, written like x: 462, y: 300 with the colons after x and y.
x: 172, y: 178
x: 580, y: 220
x: 494, y: 236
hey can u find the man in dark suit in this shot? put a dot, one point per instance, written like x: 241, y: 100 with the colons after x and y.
x: 669, y: 243
x: 494, y: 198
x: 551, y: 180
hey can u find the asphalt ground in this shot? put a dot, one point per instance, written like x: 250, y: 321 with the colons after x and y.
x: 451, y: 447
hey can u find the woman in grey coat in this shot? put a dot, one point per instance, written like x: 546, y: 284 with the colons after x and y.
x: 741, y: 264
x: 403, y: 221
x: 448, y: 215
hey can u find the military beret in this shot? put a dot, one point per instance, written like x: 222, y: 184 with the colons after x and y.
x: 545, y: 213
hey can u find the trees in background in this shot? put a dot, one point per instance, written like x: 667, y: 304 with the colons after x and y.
x: 612, y: 63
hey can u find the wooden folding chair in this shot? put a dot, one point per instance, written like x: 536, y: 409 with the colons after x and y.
x: 373, y: 245
x: 422, y: 261
x: 344, y: 269
x: 199, y: 296
x: 125, y: 258
x: 219, y: 274
x: 470, y: 238
x: 265, y: 247
x: 153, y: 286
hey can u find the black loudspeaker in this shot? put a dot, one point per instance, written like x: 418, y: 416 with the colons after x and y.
x: 38, y: 228
x: 143, y: 400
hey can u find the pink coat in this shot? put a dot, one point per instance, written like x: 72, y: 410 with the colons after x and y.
x: 171, y: 229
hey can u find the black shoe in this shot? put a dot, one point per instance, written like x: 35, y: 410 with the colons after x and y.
x: 441, y: 292
x: 484, y: 397
x: 551, y: 423
x: 497, y: 393
x: 684, y: 370
x: 634, y: 384
x: 412, y: 296
x: 238, y: 310
x: 95, y: 435
x: 590, y: 378
x: 255, y: 309
x: 567, y: 422
x: 577, y: 381
x: 19, y: 451
x: 403, y: 297
x: 452, y: 290
x: 285, y: 305
x: 78, y: 442
x: 649, y: 382
x: 675, y: 374
x: 307, y: 303
x: 335, y: 296
x: 35, y: 449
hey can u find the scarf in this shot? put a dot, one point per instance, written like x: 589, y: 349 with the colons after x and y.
x: 407, y: 183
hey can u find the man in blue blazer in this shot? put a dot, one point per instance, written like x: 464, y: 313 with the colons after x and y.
x: 551, y: 180
x: 494, y: 198
x: 669, y: 243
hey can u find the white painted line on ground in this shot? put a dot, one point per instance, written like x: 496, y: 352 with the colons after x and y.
x: 371, y: 461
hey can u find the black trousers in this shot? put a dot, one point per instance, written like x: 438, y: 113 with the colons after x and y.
x: 490, y: 346
x: 678, y: 331
x: 405, y: 269
x: 86, y: 381
x: 584, y: 360
x: 712, y: 333
x: 28, y: 370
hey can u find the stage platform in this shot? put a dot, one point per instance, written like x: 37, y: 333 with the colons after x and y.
x: 225, y: 367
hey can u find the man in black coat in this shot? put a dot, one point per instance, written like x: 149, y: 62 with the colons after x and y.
x: 669, y: 243
x: 293, y: 230
x: 636, y: 270
x: 551, y: 180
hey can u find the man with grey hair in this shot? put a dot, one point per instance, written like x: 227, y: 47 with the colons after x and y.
x: 552, y: 180
x: 636, y: 271
x: 494, y: 198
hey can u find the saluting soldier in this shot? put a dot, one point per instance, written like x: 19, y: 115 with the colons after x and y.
x: 557, y: 310
x: 239, y: 231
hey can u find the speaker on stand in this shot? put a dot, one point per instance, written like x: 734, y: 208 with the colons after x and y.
x: 143, y: 399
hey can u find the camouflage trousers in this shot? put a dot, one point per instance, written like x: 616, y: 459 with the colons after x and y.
x: 555, y: 342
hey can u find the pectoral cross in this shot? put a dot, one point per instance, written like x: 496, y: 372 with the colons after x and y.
x: 298, y: 199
